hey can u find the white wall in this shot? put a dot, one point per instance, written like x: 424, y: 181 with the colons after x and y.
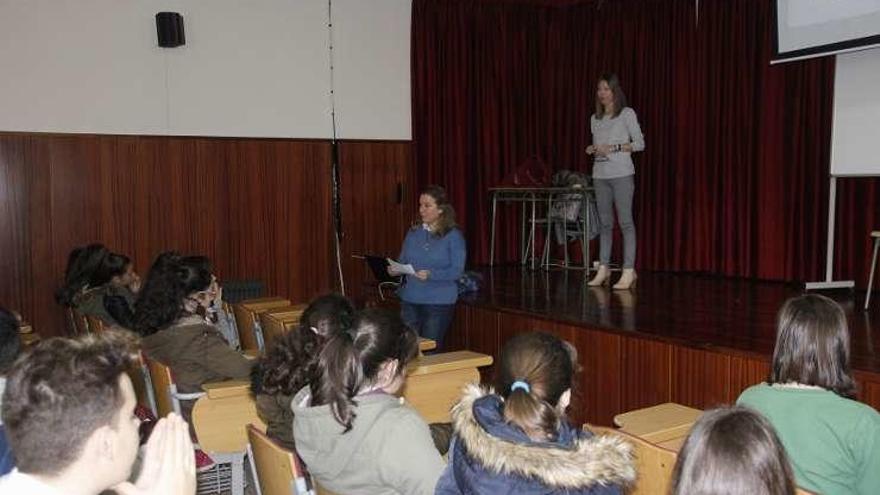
x: 256, y: 68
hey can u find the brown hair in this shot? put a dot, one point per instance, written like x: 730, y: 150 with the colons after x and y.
x: 353, y: 358
x: 447, y: 212
x: 289, y: 363
x: 10, y: 339
x: 732, y: 450
x: 812, y: 345
x: 616, y: 90
x: 546, y: 364
x: 59, y: 394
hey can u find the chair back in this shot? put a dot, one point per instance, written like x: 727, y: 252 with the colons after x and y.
x: 163, y: 387
x: 142, y: 384
x: 246, y: 320
x: 80, y: 324
x: 96, y: 325
x: 654, y: 464
x: 276, y: 322
x: 278, y: 471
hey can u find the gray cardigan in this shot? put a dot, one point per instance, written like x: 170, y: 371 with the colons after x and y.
x: 623, y: 129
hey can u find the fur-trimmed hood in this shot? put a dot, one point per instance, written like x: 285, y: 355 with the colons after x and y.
x: 579, y: 461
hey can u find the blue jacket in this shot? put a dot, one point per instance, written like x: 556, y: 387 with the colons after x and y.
x: 443, y: 256
x: 7, y: 462
x: 489, y: 455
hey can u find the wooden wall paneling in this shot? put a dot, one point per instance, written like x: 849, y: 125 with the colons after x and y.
x: 320, y: 225
x: 259, y: 208
x: 15, y: 263
x: 700, y: 379
x: 37, y: 256
x: 457, y: 337
x: 483, y: 336
x: 205, y: 172
x: 511, y: 325
x: 745, y: 372
x: 375, y: 213
x: 869, y: 389
x: 280, y: 216
x: 646, y: 367
x: 115, y: 179
x: 597, y: 397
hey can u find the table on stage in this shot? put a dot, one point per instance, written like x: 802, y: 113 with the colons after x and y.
x: 533, y: 196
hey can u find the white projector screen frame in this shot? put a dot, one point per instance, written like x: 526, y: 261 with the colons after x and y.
x: 814, y: 28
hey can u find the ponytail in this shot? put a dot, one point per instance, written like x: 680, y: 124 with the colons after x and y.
x: 536, y: 417
x: 535, y: 370
x: 341, y: 381
x: 353, y: 357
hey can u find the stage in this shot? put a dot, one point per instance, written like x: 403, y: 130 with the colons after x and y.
x: 694, y: 339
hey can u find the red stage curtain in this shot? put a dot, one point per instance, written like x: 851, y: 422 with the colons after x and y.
x: 734, y: 178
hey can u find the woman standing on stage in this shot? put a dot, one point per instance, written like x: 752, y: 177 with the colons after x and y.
x: 437, y: 252
x: 616, y: 136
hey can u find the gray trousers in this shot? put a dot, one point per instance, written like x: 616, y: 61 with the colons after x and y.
x: 616, y: 194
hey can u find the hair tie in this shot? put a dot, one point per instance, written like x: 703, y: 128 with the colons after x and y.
x: 520, y: 384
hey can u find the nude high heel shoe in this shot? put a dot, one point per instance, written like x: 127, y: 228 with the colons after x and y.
x: 603, y: 277
x: 627, y: 280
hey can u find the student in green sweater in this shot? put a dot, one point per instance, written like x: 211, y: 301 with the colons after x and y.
x: 832, y: 440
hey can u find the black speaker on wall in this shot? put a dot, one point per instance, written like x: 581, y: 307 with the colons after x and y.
x: 169, y: 28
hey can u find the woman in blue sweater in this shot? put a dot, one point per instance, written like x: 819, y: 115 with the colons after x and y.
x: 437, y: 252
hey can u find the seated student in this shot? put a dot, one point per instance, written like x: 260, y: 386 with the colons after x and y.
x: 10, y: 347
x: 353, y: 433
x: 68, y: 410
x: 100, y: 283
x: 171, y: 313
x: 518, y: 440
x: 732, y: 450
x: 288, y: 363
x: 833, y: 441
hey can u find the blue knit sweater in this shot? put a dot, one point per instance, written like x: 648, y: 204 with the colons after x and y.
x: 444, y: 257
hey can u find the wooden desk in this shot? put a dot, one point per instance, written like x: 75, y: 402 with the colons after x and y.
x: 426, y: 344
x: 278, y: 321
x: 666, y: 424
x: 220, y: 416
x: 29, y: 338
x: 434, y: 382
x: 246, y: 313
x: 27, y: 335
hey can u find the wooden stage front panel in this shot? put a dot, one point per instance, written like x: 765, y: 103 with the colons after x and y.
x: 692, y: 339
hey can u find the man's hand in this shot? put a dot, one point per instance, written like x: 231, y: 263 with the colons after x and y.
x: 169, y: 466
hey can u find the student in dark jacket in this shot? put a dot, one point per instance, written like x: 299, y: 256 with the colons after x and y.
x: 172, y: 313
x: 98, y: 282
x: 518, y: 439
x: 10, y: 348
